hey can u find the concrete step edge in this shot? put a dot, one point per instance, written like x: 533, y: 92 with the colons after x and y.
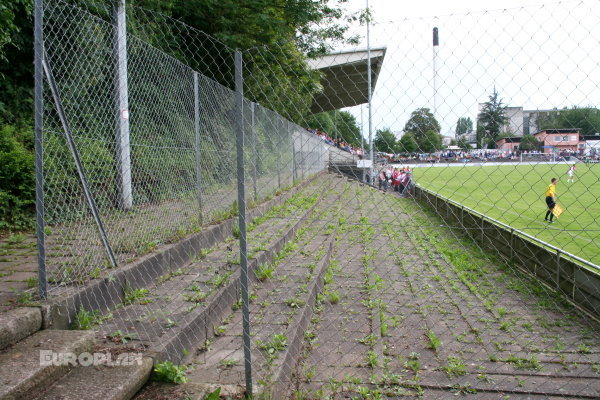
x: 102, y: 382
x: 37, y: 361
x: 19, y: 323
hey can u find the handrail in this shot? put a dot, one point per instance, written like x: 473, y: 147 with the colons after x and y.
x: 512, y: 229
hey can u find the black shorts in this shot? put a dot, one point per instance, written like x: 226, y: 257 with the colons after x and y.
x: 550, y: 202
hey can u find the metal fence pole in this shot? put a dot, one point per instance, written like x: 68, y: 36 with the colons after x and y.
x: 558, y: 269
x: 75, y: 154
x: 278, y: 133
x: 303, y: 160
x: 197, y: 148
x: 254, y: 152
x: 294, y: 166
x: 39, y: 147
x: 123, y: 144
x: 239, y: 105
x: 370, y: 95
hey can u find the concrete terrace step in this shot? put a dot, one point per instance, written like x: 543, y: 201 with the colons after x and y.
x: 21, y: 371
x: 107, y: 293
x: 272, y: 313
x: 18, y: 323
x: 101, y: 382
x: 168, y: 323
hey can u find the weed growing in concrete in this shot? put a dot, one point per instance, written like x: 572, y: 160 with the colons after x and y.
x: 168, y: 372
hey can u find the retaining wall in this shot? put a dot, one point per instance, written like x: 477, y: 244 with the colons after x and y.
x: 577, y: 279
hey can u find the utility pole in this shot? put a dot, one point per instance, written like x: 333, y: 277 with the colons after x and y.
x: 369, y: 91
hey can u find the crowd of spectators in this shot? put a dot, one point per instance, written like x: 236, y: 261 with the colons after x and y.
x: 337, y: 142
x: 399, y: 180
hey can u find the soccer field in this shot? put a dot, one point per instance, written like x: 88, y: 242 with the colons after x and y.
x: 514, y: 194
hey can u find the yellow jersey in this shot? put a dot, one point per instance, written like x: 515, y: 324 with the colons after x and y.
x: 551, y: 190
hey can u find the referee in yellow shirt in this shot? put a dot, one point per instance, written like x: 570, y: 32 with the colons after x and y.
x: 551, y: 199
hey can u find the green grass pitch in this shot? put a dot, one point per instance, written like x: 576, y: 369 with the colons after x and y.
x: 514, y: 194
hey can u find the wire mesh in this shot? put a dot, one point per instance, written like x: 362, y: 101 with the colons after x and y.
x: 426, y: 271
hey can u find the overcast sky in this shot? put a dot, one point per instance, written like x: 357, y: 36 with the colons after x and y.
x: 537, y: 54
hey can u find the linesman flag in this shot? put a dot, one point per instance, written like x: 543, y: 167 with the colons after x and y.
x: 557, y: 210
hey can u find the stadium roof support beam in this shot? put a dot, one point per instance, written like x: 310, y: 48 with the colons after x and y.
x: 345, y: 78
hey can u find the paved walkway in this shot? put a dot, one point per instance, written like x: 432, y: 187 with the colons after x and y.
x: 18, y: 268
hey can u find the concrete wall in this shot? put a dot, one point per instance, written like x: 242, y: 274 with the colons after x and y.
x: 577, y: 282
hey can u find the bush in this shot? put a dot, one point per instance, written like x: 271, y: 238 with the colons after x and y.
x: 17, y: 180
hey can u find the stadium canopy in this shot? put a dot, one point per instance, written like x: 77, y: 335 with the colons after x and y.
x: 345, y: 78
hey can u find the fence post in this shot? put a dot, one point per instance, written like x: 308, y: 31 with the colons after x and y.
x: 39, y: 147
x: 254, y: 151
x: 123, y: 144
x: 293, y: 148
x: 482, y: 234
x: 239, y: 119
x: 278, y: 133
x: 558, y: 269
x: 512, y: 244
x: 302, y: 156
x: 197, y: 145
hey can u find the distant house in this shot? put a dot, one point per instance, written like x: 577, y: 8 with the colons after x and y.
x: 559, y: 140
x: 508, y: 143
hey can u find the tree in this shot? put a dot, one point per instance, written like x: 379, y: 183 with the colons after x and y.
x: 491, y: 119
x: 463, y: 125
x: 346, y: 127
x: 321, y: 121
x: 420, y: 124
x: 385, y: 141
x: 337, y: 124
x: 585, y: 118
x: 529, y: 143
x: 431, y: 142
x: 407, y: 144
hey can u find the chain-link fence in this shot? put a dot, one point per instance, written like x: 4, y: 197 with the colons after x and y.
x: 399, y: 250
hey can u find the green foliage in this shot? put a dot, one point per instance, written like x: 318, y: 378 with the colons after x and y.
x: 385, y: 141
x: 463, y: 125
x: 16, y: 68
x: 17, y: 180
x: 434, y: 341
x: 132, y: 296
x: 120, y: 337
x: 407, y: 143
x: 168, y: 372
x: 337, y: 124
x: 455, y: 367
x: 277, y: 343
x: 425, y: 130
x: 585, y: 118
x: 214, y: 395
x: 491, y: 120
x: 529, y: 142
x: 85, y: 319
x: 372, y: 360
x: 264, y: 272
x: 431, y: 141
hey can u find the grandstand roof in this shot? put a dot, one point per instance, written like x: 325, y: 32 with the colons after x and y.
x: 345, y: 78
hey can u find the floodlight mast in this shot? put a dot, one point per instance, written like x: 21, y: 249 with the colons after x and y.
x: 436, y: 45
